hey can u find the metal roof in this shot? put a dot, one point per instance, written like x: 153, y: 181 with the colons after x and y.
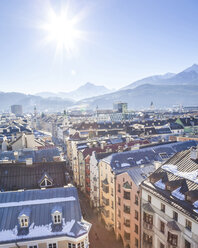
x: 40, y: 203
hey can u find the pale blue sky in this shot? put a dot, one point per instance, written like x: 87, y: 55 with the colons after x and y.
x: 125, y: 40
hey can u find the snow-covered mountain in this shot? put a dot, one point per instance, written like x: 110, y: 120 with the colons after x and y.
x: 186, y: 77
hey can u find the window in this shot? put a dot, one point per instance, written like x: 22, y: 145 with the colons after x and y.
x: 136, y: 228
x: 56, y: 216
x: 162, y: 245
x: 188, y: 225
x: 70, y: 245
x: 136, y: 242
x: 149, y: 198
x: 46, y: 183
x: 119, y: 201
x: 126, y: 236
x: 187, y: 244
x: 53, y: 245
x: 136, y: 214
x: 79, y: 245
x: 136, y: 200
x: 127, y: 222
x: 126, y: 195
x: 119, y: 188
x: 119, y: 213
x: 162, y: 207
x: 127, y: 209
x: 33, y: 246
x: 119, y: 225
x: 175, y: 216
x: 112, y: 205
x: 162, y: 226
x: 112, y: 192
x: 147, y: 238
x: 148, y: 218
x: 172, y: 239
x: 112, y: 216
x: 24, y: 221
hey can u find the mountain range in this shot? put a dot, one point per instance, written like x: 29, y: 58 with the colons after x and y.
x: 82, y: 92
x: 163, y: 90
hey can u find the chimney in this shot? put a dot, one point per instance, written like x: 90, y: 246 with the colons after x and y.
x: 102, y: 144
x: 89, y: 144
x: 127, y: 139
x: 194, y: 153
x: 16, y: 155
x: 29, y: 161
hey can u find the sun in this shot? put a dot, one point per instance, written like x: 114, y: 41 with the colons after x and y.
x: 61, y: 30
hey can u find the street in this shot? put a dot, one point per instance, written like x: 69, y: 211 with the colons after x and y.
x: 99, y: 237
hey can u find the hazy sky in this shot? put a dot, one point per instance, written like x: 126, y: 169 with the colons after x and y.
x: 123, y: 40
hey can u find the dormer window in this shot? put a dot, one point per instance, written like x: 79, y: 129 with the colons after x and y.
x: 57, y: 215
x: 24, y: 217
x: 46, y: 181
x: 23, y: 221
x: 57, y: 218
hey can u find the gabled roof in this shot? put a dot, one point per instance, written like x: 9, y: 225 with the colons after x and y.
x: 182, y: 173
x: 19, y: 176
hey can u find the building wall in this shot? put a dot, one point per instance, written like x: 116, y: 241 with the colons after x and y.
x: 94, y: 181
x: 60, y: 242
x: 121, y: 216
x: 105, y: 173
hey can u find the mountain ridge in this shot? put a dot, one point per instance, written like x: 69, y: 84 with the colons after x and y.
x: 80, y: 93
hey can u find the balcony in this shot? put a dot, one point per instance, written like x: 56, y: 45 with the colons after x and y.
x: 105, y: 186
x: 147, y: 244
x: 105, y: 189
x: 105, y: 213
x: 148, y: 226
x: 105, y: 201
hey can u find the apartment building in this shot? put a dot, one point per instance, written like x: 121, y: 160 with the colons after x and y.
x: 170, y: 203
x: 117, y: 163
x: 49, y: 218
x: 128, y: 227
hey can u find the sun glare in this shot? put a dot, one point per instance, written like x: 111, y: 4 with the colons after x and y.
x: 61, y: 29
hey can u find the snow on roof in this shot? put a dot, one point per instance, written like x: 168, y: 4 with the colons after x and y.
x: 36, y: 231
x: 176, y: 193
x: 36, y: 202
x: 125, y: 165
x: 160, y: 184
x: 195, y: 204
x: 192, y: 175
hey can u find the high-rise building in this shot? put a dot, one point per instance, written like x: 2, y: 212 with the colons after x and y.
x: 17, y: 109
